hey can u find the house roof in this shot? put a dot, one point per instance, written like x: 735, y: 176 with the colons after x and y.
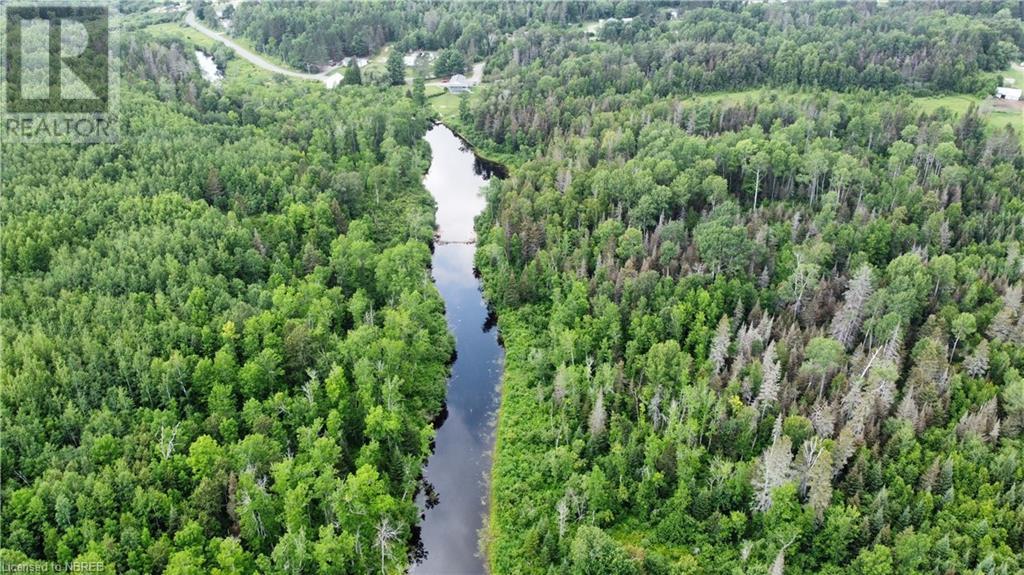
x: 1013, y: 93
x: 457, y: 80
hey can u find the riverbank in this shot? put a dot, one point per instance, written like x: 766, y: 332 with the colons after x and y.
x: 479, y: 145
x: 514, y: 451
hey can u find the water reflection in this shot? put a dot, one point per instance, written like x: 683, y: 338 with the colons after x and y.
x: 453, y: 500
x: 451, y: 268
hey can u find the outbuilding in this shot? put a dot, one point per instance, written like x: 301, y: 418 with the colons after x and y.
x: 1004, y: 93
x: 457, y: 84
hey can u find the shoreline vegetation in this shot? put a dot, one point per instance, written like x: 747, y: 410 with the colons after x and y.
x: 757, y: 269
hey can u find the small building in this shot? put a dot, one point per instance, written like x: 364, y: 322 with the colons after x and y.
x: 1004, y: 93
x: 457, y: 84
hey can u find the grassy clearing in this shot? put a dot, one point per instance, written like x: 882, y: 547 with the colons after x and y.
x: 182, y: 31
x: 1015, y: 73
x: 995, y: 117
x: 958, y: 104
x: 447, y: 105
x: 1005, y: 118
x: 382, y: 56
x: 239, y: 68
x: 591, y: 26
x: 433, y: 91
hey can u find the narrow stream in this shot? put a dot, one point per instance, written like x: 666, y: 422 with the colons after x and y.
x: 208, y: 67
x: 454, y: 501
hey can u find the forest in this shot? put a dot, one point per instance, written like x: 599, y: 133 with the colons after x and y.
x: 805, y: 47
x: 762, y: 309
x: 773, y: 333
x: 222, y: 349
x: 315, y: 33
x: 745, y: 348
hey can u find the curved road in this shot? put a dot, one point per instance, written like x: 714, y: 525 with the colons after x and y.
x: 329, y: 80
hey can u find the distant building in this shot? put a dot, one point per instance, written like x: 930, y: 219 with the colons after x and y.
x: 1008, y: 93
x: 457, y: 84
x: 418, y: 57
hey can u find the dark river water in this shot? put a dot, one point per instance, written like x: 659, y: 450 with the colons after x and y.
x: 454, y: 500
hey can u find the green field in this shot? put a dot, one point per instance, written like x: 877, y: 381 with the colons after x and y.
x: 182, y: 31
x: 731, y: 97
x: 447, y: 105
x: 1015, y: 73
x: 957, y: 104
x: 960, y: 103
x: 1002, y: 119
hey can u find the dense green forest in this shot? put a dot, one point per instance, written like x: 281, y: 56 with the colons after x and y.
x: 794, y: 341
x: 773, y: 333
x: 710, y: 46
x: 552, y: 81
x: 222, y: 349
x: 763, y: 312
x: 314, y: 33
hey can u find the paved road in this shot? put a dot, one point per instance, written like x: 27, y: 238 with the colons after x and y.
x: 328, y: 79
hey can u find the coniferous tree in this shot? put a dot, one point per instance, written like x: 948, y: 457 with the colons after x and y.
x: 396, y: 67
x: 353, y: 77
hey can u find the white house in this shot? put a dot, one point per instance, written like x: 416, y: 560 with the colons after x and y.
x: 1008, y: 93
x: 457, y: 84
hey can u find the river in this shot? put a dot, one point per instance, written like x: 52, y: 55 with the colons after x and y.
x: 208, y: 67
x: 454, y: 499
